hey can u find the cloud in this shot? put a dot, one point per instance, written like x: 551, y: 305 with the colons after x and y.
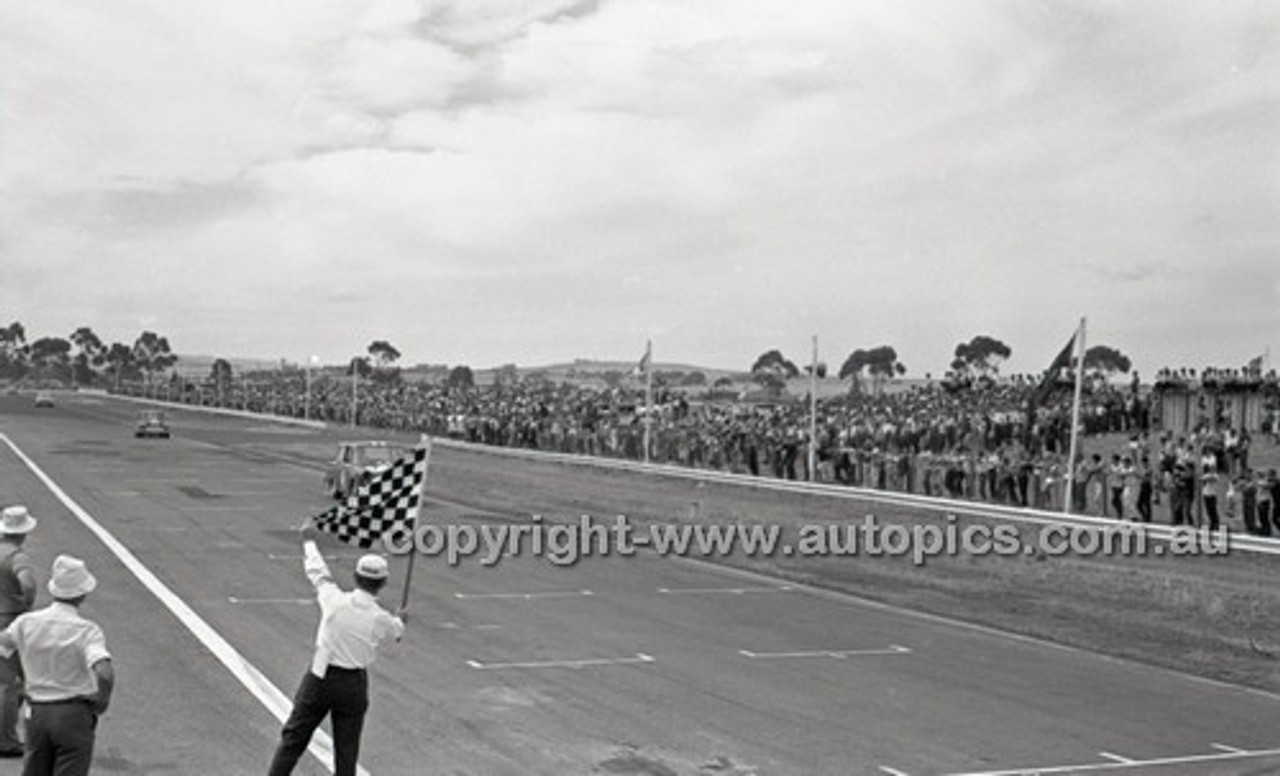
x: 729, y: 173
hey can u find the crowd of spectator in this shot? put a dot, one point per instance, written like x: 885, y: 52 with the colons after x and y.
x: 992, y: 444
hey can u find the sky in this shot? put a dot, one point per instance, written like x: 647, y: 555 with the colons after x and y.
x: 532, y: 181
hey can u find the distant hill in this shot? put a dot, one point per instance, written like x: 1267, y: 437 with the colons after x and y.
x: 195, y: 365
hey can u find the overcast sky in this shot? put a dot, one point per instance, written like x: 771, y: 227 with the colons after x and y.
x: 532, y: 181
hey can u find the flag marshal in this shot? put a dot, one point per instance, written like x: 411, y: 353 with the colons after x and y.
x: 387, y: 501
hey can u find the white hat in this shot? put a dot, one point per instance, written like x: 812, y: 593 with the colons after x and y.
x: 70, y: 578
x: 372, y: 567
x: 16, y: 520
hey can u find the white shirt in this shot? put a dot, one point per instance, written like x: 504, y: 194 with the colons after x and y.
x: 352, y: 624
x: 58, y: 648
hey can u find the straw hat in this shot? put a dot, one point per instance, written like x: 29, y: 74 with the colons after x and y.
x: 70, y: 578
x: 16, y: 520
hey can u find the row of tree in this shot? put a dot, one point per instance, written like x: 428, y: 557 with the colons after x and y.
x: 82, y: 357
x: 978, y: 359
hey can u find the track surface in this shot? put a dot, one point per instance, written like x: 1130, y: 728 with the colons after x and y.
x: 659, y: 668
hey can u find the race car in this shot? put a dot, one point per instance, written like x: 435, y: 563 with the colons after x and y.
x: 356, y: 462
x: 151, y: 423
x: 44, y: 400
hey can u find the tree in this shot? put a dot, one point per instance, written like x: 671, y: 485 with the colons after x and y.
x: 694, y: 379
x: 90, y: 353
x: 880, y: 363
x: 1106, y: 360
x: 360, y: 366
x: 52, y: 354
x: 385, y: 356
x: 506, y: 375
x: 221, y: 377
x: 120, y: 358
x: 983, y: 354
x: 460, y: 377
x: 13, y: 350
x: 774, y: 362
x: 384, y: 353
x: 151, y: 354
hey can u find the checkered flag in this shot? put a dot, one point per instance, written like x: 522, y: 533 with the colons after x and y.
x: 388, y: 500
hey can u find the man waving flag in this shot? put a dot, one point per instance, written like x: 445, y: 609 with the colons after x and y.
x: 387, y: 501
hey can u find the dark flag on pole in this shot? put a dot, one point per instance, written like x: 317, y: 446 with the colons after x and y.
x: 1062, y: 361
x: 388, y: 501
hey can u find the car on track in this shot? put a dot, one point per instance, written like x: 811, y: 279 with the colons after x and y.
x: 356, y: 462
x: 151, y: 423
x: 44, y: 399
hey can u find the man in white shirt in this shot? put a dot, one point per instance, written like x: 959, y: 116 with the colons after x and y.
x: 69, y: 677
x: 352, y: 625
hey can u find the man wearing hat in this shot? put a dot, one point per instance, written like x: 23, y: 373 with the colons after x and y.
x: 69, y: 676
x: 17, y: 594
x: 352, y: 625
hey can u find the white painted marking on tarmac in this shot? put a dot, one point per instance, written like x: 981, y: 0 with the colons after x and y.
x: 1115, y: 758
x: 248, y: 674
x: 723, y: 590
x: 893, y: 771
x: 1231, y: 749
x: 279, y: 556
x: 220, y: 509
x: 165, y: 479
x: 1043, y: 770
x: 838, y: 654
x: 122, y: 493
x: 640, y: 657
x: 523, y: 596
x: 459, y: 626
x: 294, y: 601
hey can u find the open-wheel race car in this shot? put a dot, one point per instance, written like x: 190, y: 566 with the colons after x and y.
x: 356, y: 462
x: 151, y: 424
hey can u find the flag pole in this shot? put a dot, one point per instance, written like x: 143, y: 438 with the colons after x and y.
x: 813, y: 411
x: 648, y: 395
x: 355, y: 396
x: 425, y: 441
x: 1075, y: 420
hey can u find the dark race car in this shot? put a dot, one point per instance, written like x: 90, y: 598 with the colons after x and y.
x: 151, y: 423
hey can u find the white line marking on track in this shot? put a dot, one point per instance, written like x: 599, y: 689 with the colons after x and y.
x: 221, y: 509
x: 523, y: 596
x: 725, y: 590
x: 1117, y: 758
x: 280, y: 556
x: 893, y: 771
x: 640, y: 657
x: 838, y: 654
x: 295, y: 601
x: 248, y: 674
x: 1117, y: 766
x: 1231, y: 749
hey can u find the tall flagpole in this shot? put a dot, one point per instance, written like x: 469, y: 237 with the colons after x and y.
x: 425, y: 441
x: 1075, y: 419
x: 355, y: 390
x: 648, y: 395
x: 813, y: 411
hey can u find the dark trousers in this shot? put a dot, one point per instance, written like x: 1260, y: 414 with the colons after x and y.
x: 60, y: 739
x: 10, y: 694
x: 1144, y: 501
x: 342, y: 693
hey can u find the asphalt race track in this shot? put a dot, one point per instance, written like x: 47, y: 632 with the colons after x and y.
x: 614, y: 666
